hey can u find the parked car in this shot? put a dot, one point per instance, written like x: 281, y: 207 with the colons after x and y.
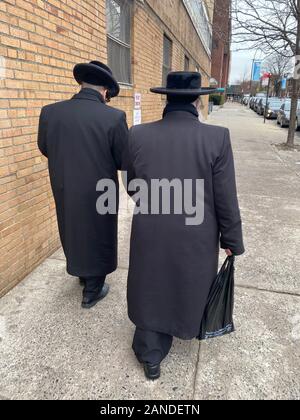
x: 255, y: 105
x: 255, y: 99
x: 246, y: 100
x: 283, y: 117
x: 251, y: 103
x: 298, y: 119
x: 273, y: 107
x: 260, y: 107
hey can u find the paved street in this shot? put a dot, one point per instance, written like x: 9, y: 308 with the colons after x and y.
x: 52, y: 349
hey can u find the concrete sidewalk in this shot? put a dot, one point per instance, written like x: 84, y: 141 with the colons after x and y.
x: 52, y: 349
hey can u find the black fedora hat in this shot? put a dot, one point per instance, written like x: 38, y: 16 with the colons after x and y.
x: 96, y: 73
x: 183, y: 83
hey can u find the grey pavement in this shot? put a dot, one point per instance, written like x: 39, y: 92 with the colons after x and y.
x: 52, y: 349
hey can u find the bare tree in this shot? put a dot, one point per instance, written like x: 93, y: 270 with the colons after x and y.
x: 272, y: 26
x: 279, y: 66
x: 244, y: 81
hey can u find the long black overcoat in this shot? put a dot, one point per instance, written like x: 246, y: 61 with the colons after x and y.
x: 84, y: 139
x: 172, y: 265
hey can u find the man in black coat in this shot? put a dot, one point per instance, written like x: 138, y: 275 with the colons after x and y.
x: 174, y: 258
x: 84, y: 139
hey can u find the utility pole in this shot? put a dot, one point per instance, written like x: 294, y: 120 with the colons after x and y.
x: 251, y: 77
x: 295, y: 84
x: 268, y: 94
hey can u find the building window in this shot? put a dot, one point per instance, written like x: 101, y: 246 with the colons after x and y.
x: 118, y: 19
x: 186, y: 63
x: 167, y: 58
x: 199, y: 16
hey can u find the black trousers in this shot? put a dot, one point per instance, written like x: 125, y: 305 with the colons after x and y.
x: 93, y: 284
x: 151, y: 347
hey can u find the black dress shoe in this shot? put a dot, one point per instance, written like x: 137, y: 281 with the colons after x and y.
x: 152, y: 372
x: 91, y: 299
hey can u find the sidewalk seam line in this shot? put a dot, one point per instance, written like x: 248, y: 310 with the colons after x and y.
x: 196, y: 371
x: 241, y: 286
x: 278, y: 292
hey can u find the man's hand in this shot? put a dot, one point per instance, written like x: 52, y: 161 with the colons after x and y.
x: 228, y: 253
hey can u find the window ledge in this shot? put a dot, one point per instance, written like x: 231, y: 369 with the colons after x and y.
x: 125, y: 86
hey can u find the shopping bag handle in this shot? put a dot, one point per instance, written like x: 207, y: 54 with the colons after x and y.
x: 229, y: 261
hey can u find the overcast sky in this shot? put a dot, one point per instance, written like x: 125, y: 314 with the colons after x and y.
x: 241, y: 64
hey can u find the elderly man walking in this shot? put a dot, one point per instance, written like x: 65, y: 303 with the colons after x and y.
x: 84, y: 139
x: 173, y: 264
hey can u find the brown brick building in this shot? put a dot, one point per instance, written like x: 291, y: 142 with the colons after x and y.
x: 222, y: 31
x: 40, y: 41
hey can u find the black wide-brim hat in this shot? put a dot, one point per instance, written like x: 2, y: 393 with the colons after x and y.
x: 184, y: 83
x: 98, y: 74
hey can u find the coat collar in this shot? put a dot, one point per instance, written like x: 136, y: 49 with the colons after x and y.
x: 182, y: 108
x: 89, y: 94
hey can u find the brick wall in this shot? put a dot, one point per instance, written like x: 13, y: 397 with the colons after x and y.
x: 40, y: 41
x: 162, y: 17
x: 221, y: 42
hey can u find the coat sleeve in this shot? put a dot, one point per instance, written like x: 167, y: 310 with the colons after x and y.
x: 226, y: 200
x: 120, y: 141
x: 128, y: 171
x: 42, y: 134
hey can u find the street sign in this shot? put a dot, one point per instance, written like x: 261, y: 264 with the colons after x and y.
x: 137, y: 112
x: 137, y: 117
x: 137, y: 101
x: 265, y: 79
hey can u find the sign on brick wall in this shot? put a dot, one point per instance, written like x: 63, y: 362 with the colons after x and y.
x: 137, y: 113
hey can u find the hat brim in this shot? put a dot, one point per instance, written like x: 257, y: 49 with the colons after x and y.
x: 85, y: 72
x: 183, y: 92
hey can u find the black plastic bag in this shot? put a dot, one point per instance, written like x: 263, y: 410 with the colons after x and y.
x: 218, y: 316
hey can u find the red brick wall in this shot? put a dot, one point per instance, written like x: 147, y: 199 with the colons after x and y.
x: 40, y: 42
x: 221, y: 42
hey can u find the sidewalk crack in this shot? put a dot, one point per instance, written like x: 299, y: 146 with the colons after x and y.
x: 260, y: 289
x: 196, y: 371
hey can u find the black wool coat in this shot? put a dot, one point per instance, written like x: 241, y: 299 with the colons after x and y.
x: 84, y: 140
x: 172, y: 265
